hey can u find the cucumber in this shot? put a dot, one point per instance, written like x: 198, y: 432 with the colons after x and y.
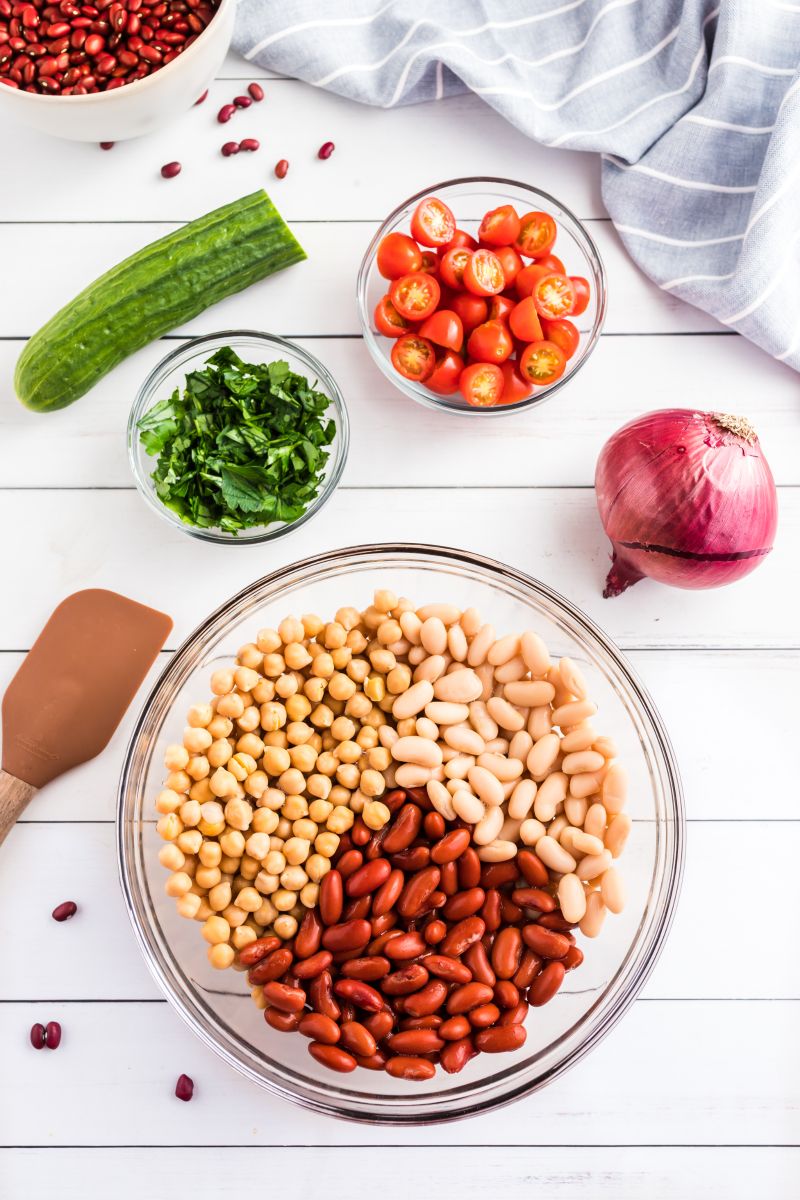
x: 161, y: 286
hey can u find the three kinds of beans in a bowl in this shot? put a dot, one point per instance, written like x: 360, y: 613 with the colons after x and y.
x: 394, y: 821
x: 67, y: 48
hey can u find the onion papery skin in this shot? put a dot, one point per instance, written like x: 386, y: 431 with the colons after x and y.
x: 685, y: 500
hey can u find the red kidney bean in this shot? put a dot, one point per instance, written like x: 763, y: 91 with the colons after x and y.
x: 490, y: 912
x: 477, y: 959
x: 500, y: 1039
x: 573, y: 958
x: 359, y: 993
x: 494, y: 875
x: 383, y: 923
x: 229, y: 148
x: 545, y: 942
x: 506, y: 994
x: 357, y: 910
x: 389, y: 890
x: 462, y: 935
x: 450, y: 969
x: 38, y: 1036
x: 405, y: 945
x: 426, y: 1002
x: 394, y: 800
x: 510, y: 913
x: 242, y: 101
x: 356, y: 1038
x: 309, y: 935
x: 332, y: 1057
x: 377, y: 944
x: 249, y: 144
x: 417, y: 891
x: 455, y: 1028
x: 484, y: 1015
x: 403, y: 829
x: 256, y: 91
x: 465, y: 904
x: 368, y: 878
x: 434, y: 826
x: 420, y: 796
x: 321, y: 998
x: 260, y: 948
x: 431, y: 1022
x: 225, y: 113
x: 281, y: 168
x: 379, y: 1024
x: 319, y: 1028
x: 359, y: 832
x: 515, y: 1015
x: 64, y: 911
x: 556, y: 921
x: 546, y: 984
x: 307, y: 968
x: 449, y: 880
x: 350, y: 861
x: 403, y: 1067
x: 373, y: 1062
x: 184, y: 1087
x: 408, y: 979
x: 434, y: 931
x: 456, y: 1055
x: 530, y: 964
x: 368, y: 969
x: 272, y: 967
x: 325, y: 151
x: 280, y: 995
x: 506, y: 952
x: 170, y: 170
x: 434, y: 901
x: 534, y: 898
x: 201, y: 99
x: 451, y: 846
x: 107, y: 145
x: 350, y: 935
x: 415, y: 1041
x: 375, y: 844
x: 413, y: 859
x: 469, y: 869
x: 284, y: 1022
x: 468, y: 996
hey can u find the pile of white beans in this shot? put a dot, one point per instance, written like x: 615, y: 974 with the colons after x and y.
x: 314, y: 722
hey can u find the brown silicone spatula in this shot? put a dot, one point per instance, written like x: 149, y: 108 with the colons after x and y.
x: 72, y: 690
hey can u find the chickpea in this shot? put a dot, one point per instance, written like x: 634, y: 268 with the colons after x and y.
x: 384, y: 600
x: 230, y: 706
x: 168, y: 801
x: 372, y: 617
x: 348, y: 775
x: 322, y: 666
x: 188, y: 905
x: 356, y: 642
x: 238, y: 814
x: 309, y: 895
x: 265, y: 821
x: 292, y: 782
x: 285, y: 926
x: 251, y: 745
x: 246, y: 678
x: 374, y: 688
x: 208, y: 877
x: 284, y: 828
x: 357, y: 801
x: 326, y: 844
x: 379, y: 759
x: 318, y: 786
x: 304, y: 828
x: 219, y: 897
x: 398, y: 680
x: 316, y: 866
x: 268, y: 640
x: 273, y: 798
x: 190, y: 841
x: 190, y: 813
x: 249, y: 899
x: 339, y: 795
x: 198, y: 767
x: 372, y: 784
x: 263, y: 692
x: 273, y: 716
x: 243, y: 936
x: 275, y: 862
x: 256, y: 785
x: 320, y: 810
x: 297, y: 709
x: 178, y: 781
x: 249, y: 868
x: 286, y: 686
x: 210, y: 854
x: 178, y: 884
x: 358, y: 706
x: 222, y: 681
x: 216, y: 930
x: 196, y: 741
x: 169, y: 826
x: 229, y: 865
x: 266, y: 914
x: 171, y: 857
x: 283, y: 900
x: 220, y: 727
x: 199, y: 715
x: 274, y: 665
x: 314, y: 689
x: 250, y: 719
x: 232, y: 843
x: 257, y: 846
x: 341, y: 687
x: 296, y: 850
x: 375, y: 814
x: 201, y: 791
x: 234, y: 915
x: 240, y: 766
x: 293, y: 879
x: 367, y: 737
x: 312, y: 625
x: 176, y: 757
x: 266, y: 882
x: 219, y: 752
x: 389, y: 632
x: 296, y: 656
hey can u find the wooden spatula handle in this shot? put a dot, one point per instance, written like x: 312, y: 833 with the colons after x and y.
x: 14, y: 796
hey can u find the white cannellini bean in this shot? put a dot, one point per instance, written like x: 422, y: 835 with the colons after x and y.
x: 528, y: 693
x: 497, y: 746
x: 510, y: 830
x: 605, y: 746
x: 441, y: 800
x: 553, y: 855
x: 582, y: 761
x: 427, y: 729
x: 486, y: 785
x: 573, y: 712
x: 520, y: 745
x: 534, y: 652
x: 433, y: 635
x: 457, y: 643
x: 486, y: 675
x: 592, y: 922
x: 431, y: 668
x: 531, y: 831
x: 506, y: 716
x: 506, y: 769
x: 460, y: 688
x: 572, y: 678
x: 446, y: 714
x: 612, y: 890
x: 410, y: 624
x: 587, y: 843
x: 468, y: 807
x: 416, y: 655
x: 571, y: 898
x: 575, y: 811
x: 584, y: 785
x: 617, y: 834
x: 593, y: 865
x: 596, y: 820
x: 387, y: 736
x: 615, y: 789
x: 470, y: 621
x: 539, y: 723
x: 481, y: 722
x: 488, y: 827
x: 557, y: 826
x: 458, y: 768
x: 448, y: 614
x: 581, y: 737
x: 464, y: 739
x: 412, y: 701
x: 511, y: 671
x: 503, y: 650
x: 410, y: 775
x: 479, y: 646
x: 418, y: 750
x: 498, y: 851
x: 522, y: 799
x: 543, y: 756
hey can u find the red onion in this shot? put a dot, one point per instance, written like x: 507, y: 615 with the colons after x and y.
x: 686, y: 498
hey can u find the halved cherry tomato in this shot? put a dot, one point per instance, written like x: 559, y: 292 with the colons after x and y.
x: 483, y: 274
x: 452, y: 264
x: 553, y: 295
x: 511, y: 263
x: 563, y: 333
x: 446, y: 374
x: 514, y: 388
x: 473, y: 310
x: 398, y: 255
x: 551, y: 262
x: 460, y: 239
x: 582, y: 293
x: 537, y: 233
x: 388, y: 320
x: 430, y: 263
x: 432, y: 224
x: 415, y: 296
x: 481, y: 384
x: 500, y: 307
x: 524, y: 321
x: 444, y: 328
x: 414, y: 357
x: 541, y: 362
x: 490, y: 343
x: 500, y: 226
x: 527, y: 278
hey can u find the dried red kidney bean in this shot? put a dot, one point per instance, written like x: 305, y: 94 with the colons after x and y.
x: 63, y: 912
x: 52, y: 1035
x: 170, y: 170
x: 256, y: 91
x: 38, y: 1036
x: 326, y: 150
x: 184, y: 1088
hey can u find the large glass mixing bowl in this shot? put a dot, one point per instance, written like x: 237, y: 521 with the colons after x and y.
x: 217, y: 1005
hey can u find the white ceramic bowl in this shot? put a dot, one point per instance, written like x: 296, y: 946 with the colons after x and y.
x: 135, y: 109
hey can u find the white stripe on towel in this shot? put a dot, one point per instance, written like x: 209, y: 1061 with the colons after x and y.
x: 713, y: 123
x: 736, y: 60
x: 673, y: 283
x: 304, y: 25
x: 671, y: 241
x: 697, y: 185
x: 788, y: 262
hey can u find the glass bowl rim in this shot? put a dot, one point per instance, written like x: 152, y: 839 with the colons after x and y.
x: 664, y: 887
x: 418, y: 392
x: 259, y: 534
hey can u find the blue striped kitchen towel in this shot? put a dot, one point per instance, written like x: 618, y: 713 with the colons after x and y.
x: 694, y: 106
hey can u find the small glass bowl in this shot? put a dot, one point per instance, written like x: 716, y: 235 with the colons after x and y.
x: 251, y: 346
x: 469, y: 199
x: 217, y: 1004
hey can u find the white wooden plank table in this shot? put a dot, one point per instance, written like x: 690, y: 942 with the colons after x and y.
x: 696, y: 1092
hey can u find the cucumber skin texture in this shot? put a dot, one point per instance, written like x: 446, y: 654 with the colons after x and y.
x: 160, y: 286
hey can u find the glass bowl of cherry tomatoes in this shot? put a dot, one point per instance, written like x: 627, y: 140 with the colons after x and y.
x: 481, y: 296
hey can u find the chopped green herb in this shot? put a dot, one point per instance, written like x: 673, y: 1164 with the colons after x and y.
x: 242, y: 445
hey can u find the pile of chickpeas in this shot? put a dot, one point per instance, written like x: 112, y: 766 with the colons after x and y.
x: 314, y: 721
